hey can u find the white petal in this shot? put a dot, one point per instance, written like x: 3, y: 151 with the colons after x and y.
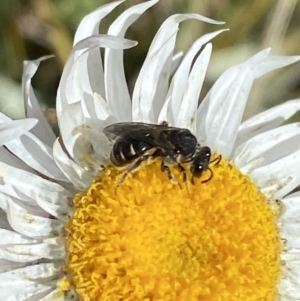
x: 292, y: 195
x: 180, y: 79
x: 273, y: 145
x: 292, y: 208
x: 90, y: 23
x: 32, y: 225
x: 12, y: 129
x: 103, y: 112
x: 152, y: 83
x: 29, y: 279
x: 176, y: 61
x: 79, y: 80
x: 89, y: 26
x: 35, y: 189
x: 22, y: 258
x: 42, y: 250
x: 166, y: 113
x: 78, y: 176
x: 117, y: 93
x: 280, y: 169
x: 289, y: 284
x: 267, y: 120
x: 32, y: 107
x: 12, y: 160
x: 275, y: 62
x: 290, y: 233
x: 227, y: 101
x: 292, y: 255
x: 6, y: 265
x: 73, y: 88
x: 12, y: 237
x: 188, y: 109
x: 35, y: 153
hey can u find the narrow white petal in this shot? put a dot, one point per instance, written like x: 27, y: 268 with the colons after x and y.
x: 117, y: 93
x: 90, y: 23
x: 289, y: 289
x: 6, y: 265
x: 180, y: 79
x: 42, y: 250
x: 29, y: 279
x: 37, y: 155
x: 294, y: 181
x: 227, y: 101
x: 35, y: 189
x: 12, y: 237
x: 79, y: 79
x: 291, y: 255
x: 280, y: 169
x: 90, y: 26
x: 290, y: 233
x: 291, y: 209
x: 176, y: 61
x: 273, y: 145
x: 74, y: 86
x: 187, y: 112
x: 32, y: 296
x: 32, y: 225
x: 272, y: 190
x: 289, y: 284
x: 34, y: 152
x: 13, y: 129
x: 292, y: 195
x: 12, y: 160
x: 103, y: 112
x: 267, y: 120
x: 152, y: 83
x: 80, y: 178
x: 275, y: 62
x: 32, y: 107
x: 166, y: 113
x: 22, y: 258
x: 228, y: 98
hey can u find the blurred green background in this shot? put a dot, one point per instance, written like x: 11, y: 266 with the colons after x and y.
x: 33, y: 28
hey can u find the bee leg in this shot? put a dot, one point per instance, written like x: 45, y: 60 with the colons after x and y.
x: 132, y: 167
x: 182, y: 170
x: 211, y: 175
x: 216, y: 160
x: 166, y: 168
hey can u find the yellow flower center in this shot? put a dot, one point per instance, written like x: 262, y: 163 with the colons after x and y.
x: 151, y: 239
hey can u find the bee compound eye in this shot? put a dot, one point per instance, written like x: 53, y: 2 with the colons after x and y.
x: 196, y: 169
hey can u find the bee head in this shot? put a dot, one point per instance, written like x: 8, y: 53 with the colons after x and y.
x: 201, y: 161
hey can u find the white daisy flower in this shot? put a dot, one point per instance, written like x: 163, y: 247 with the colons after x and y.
x: 70, y: 230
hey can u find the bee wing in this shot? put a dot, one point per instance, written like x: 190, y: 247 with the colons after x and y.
x: 146, y: 132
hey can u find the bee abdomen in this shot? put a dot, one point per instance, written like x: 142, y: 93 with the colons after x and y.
x: 126, y: 150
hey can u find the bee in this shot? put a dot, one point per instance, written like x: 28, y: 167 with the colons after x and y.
x: 136, y: 142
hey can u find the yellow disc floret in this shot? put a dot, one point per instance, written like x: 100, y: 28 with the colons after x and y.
x: 151, y: 239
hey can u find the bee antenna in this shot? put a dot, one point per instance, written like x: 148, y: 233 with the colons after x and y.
x: 211, y: 175
x: 216, y: 160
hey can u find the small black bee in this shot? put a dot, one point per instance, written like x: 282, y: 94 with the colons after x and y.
x: 135, y: 142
